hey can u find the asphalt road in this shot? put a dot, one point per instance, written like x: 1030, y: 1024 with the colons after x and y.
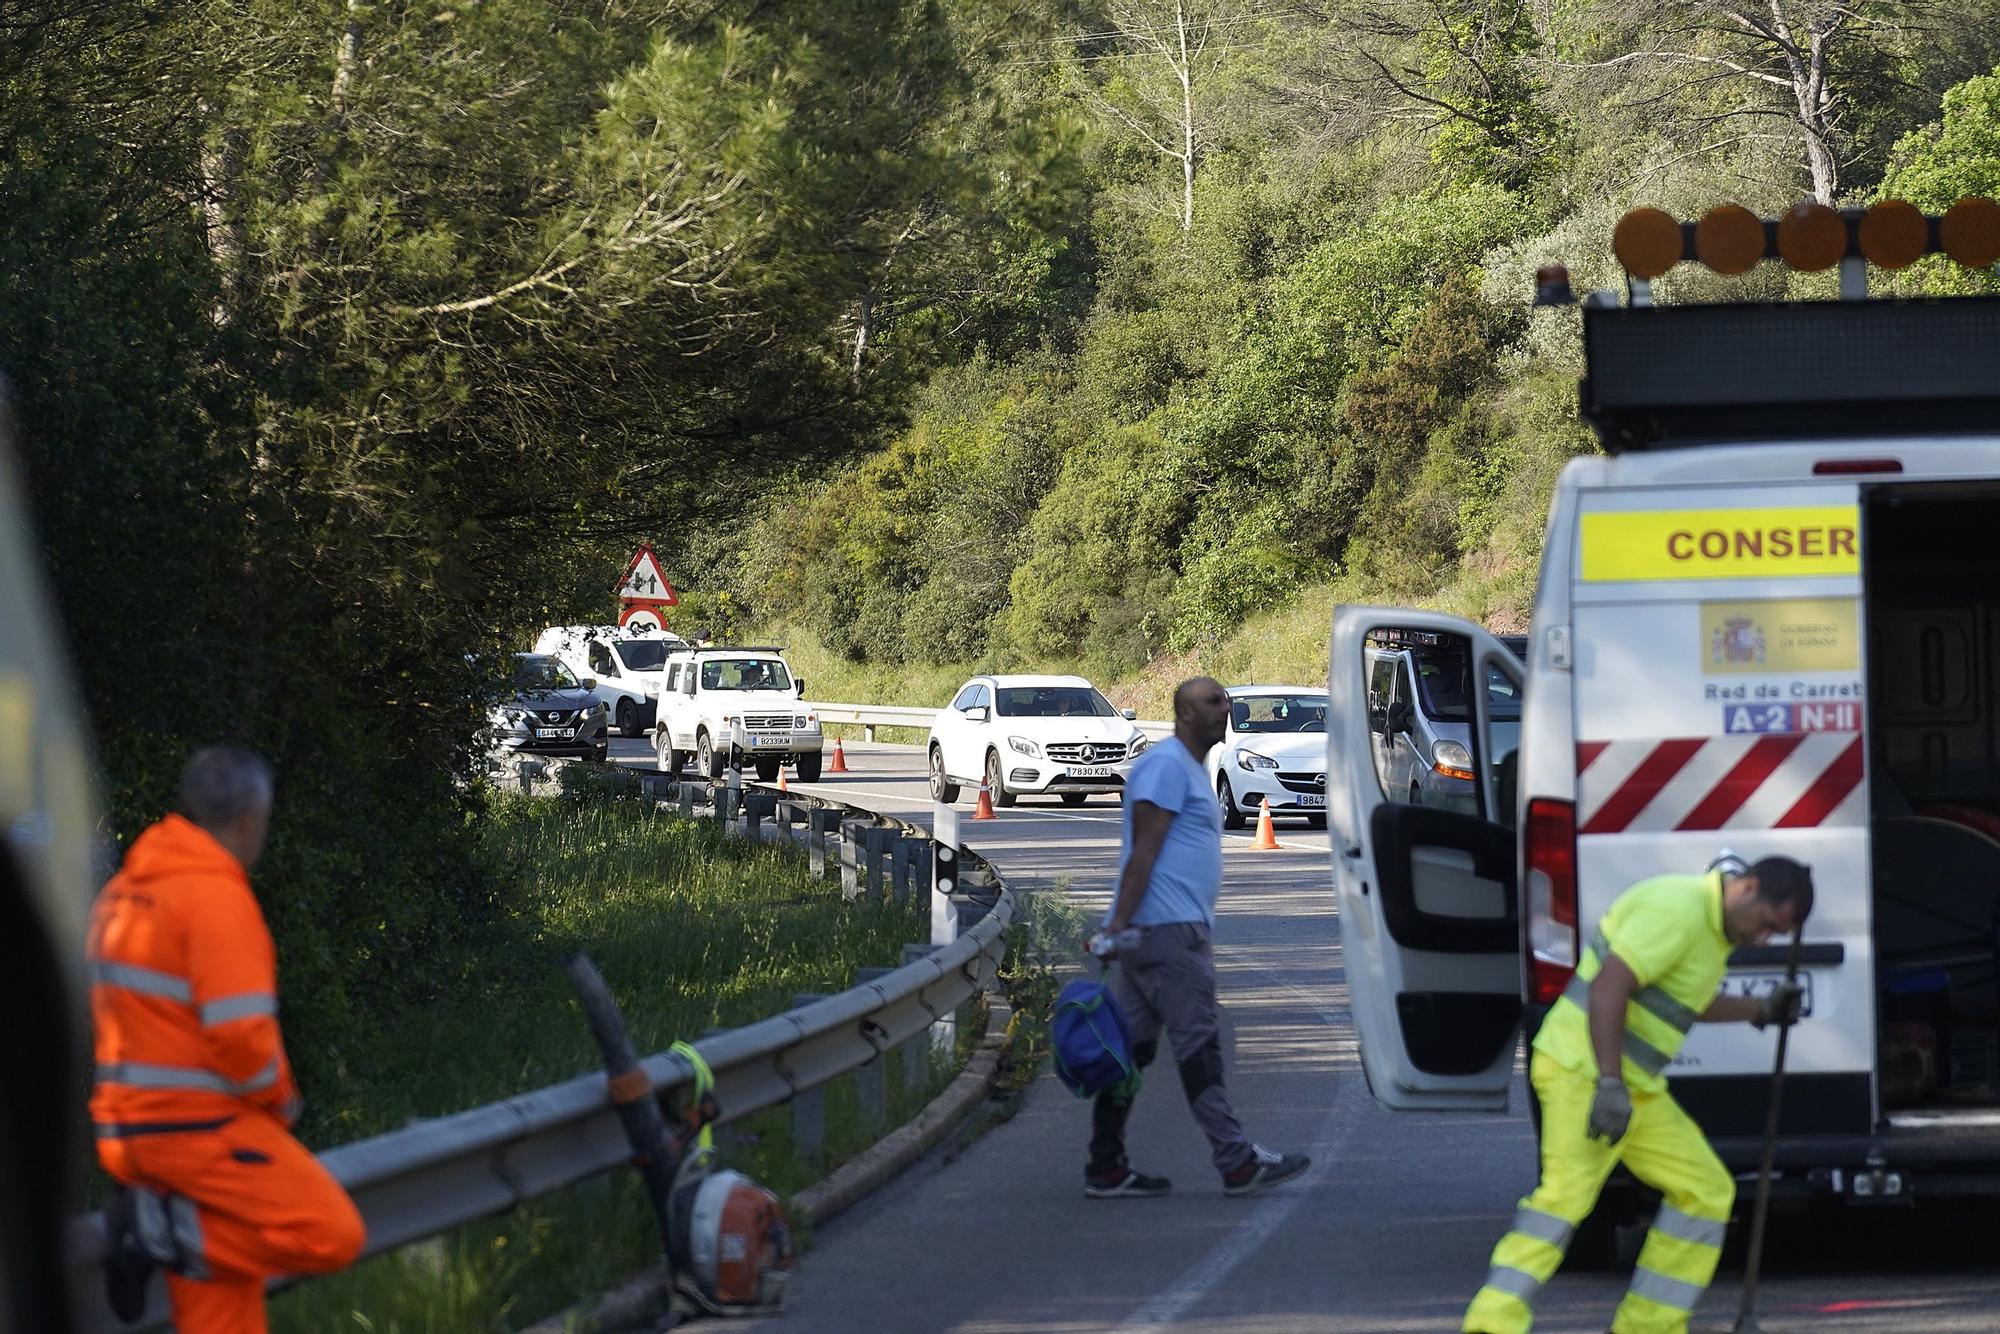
x: 1389, y: 1231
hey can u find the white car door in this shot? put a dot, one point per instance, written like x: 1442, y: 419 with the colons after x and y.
x: 968, y: 752
x: 1429, y: 924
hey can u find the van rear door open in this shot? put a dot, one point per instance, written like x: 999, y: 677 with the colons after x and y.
x: 1720, y: 702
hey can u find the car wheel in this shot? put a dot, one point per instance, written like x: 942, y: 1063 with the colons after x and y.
x: 1416, y: 794
x: 1315, y: 822
x: 942, y: 788
x: 671, y: 760
x: 767, y: 768
x: 1231, y: 817
x: 628, y: 718
x: 706, y: 759
x: 808, y: 766
x: 995, y: 783
x: 1074, y: 798
x: 601, y: 752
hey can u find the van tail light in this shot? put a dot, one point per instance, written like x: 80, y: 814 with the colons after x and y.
x: 1550, y: 900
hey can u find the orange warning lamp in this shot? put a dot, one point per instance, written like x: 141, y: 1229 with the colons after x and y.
x: 1729, y: 239
x: 1894, y: 234
x: 1970, y: 232
x: 1811, y: 237
x: 1647, y: 242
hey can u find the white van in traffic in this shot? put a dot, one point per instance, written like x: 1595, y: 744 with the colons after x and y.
x: 1768, y: 620
x: 628, y: 668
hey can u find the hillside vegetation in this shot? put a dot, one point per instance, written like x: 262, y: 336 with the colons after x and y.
x: 1287, y: 355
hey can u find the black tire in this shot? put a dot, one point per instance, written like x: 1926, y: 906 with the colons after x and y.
x: 1315, y: 822
x: 768, y: 767
x: 599, y: 753
x: 942, y: 788
x: 1074, y: 798
x: 1231, y: 817
x: 708, y: 760
x: 808, y: 766
x: 628, y: 718
x: 996, y: 781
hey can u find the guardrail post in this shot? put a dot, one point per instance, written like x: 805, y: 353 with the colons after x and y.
x: 903, y: 864
x: 867, y: 731
x: 915, y: 1051
x: 809, y: 1108
x: 756, y: 805
x: 687, y: 797
x: 876, y: 842
x: 631, y: 1093
x: 819, y: 823
x: 871, y: 1081
x: 852, y: 832
x: 788, y: 814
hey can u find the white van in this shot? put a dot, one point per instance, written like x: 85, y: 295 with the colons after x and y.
x: 627, y: 668
x: 1768, y: 620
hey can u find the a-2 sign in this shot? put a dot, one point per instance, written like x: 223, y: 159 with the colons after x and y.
x: 646, y: 582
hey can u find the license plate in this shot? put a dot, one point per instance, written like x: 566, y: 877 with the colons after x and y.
x: 1312, y: 799
x: 554, y: 733
x: 1089, y: 771
x: 1759, y: 985
x: 757, y: 741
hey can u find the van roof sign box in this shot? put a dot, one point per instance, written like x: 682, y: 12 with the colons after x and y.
x: 1672, y: 376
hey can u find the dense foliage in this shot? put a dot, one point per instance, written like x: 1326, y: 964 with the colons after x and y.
x: 352, y: 340
x: 1306, y: 356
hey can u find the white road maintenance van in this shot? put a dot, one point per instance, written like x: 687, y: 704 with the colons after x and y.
x: 1768, y: 621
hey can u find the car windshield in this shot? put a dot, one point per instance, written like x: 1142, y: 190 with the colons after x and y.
x: 1052, y: 702
x: 532, y: 671
x: 641, y: 655
x: 1278, y: 713
x: 745, y: 674
x: 1443, y: 682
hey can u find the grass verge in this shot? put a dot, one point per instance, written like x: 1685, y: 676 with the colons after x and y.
x: 693, y: 931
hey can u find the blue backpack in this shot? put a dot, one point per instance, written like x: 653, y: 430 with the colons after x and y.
x: 1091, y: 1045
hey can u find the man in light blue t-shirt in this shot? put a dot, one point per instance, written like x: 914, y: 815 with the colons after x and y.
x: 1169, y: 871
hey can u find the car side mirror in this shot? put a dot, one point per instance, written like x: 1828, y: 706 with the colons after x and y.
x: 799, y: 684
x: 979, y: 713
x: 590, y: 683
x: 1400, y: 717
x: 1128, y: 714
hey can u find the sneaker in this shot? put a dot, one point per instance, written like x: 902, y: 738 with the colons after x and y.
x: 1264, y: 1171
x: 127, y: 1266
x: 1125, y: 1184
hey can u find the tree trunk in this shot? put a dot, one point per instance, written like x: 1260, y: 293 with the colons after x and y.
x: 346, y: 57
x: 222, y: 219
x: 864, y: 325
x: 1187, y: 120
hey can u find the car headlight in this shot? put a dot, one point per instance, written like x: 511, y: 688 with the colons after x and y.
x: 1453, y: 760
x: 598, y: 709
x: 1139, y: 742
x: 1025, y: 746
x: 1250, y: 759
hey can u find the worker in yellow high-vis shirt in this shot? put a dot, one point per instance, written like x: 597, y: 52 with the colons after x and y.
x: 1650, y: 972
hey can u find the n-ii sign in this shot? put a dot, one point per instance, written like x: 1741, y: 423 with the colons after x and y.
x: 644, y: 594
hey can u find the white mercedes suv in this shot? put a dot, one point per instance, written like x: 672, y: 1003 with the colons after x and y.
x: 1275, y: 748
x: 1031, y: 734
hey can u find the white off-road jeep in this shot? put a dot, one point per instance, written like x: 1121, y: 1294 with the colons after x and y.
x: 722, y: 706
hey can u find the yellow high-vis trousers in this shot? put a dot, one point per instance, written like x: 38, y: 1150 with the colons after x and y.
x: 1663, y: 1148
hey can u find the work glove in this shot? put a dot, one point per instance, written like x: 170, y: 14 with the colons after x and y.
x: 1610, y: 1110
x: 1782, y: 1006
x: 1105, y: 945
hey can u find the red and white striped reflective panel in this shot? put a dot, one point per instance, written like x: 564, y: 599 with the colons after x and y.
x: 1789, y: 780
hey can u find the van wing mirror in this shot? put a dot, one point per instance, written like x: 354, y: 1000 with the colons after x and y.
x: 799, y: 684
x: 1399, y: 717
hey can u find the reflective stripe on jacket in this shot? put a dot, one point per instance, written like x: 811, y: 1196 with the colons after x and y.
x: 183, y: 988
x: 1668, y: 931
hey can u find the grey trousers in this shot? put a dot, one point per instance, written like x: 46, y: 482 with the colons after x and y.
x: 1168, y: 982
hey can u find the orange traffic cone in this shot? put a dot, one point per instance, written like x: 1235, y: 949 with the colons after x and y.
x: 781, y: 780
x: 984, y: 809
x: 839, y: 765
x: 1267, y: 838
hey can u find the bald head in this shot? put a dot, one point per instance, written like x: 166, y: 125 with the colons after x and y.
x: 1201, y: 714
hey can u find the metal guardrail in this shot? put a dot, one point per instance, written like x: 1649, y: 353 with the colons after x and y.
x: 436, y: 1175
x: 885, y: 715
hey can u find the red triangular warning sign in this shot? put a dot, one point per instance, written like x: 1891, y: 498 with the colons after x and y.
x: 645, y: 581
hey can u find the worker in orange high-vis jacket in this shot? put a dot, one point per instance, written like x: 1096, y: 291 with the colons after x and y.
x: 194, y: 1093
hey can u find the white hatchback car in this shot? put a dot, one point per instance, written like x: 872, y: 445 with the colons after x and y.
x: 1275, y: 749
x: 1031, y: 734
